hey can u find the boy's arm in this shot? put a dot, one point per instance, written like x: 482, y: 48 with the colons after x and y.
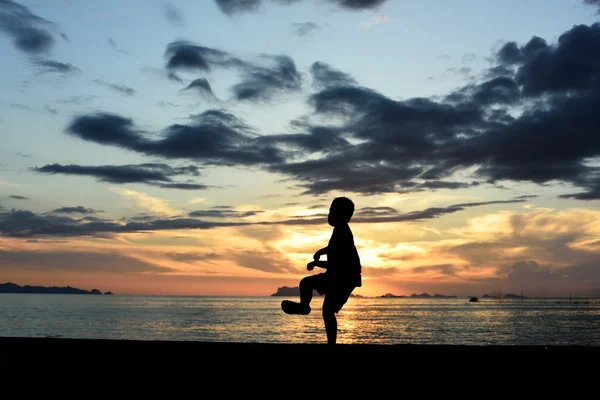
x: 311, y: 265
x: 320, y: 252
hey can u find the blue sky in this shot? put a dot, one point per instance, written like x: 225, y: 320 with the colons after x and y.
x: 89, y: 67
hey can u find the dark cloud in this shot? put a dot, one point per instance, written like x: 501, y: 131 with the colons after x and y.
x: 17, y: 197
x: 324, y: 76
x: 238, y: 6
x: 532, y: 118
x: 23, y: 223
x: 30, y: 33
x: 218, y: 212
x: 358, y: 4
x: 500, y: 90
x: 304, y: 28
x: 318, y: 139
x: 46, y: 66
x: 122, y: 89
x: 76, y: 209
x: 78, y: 100
x: 115, y: 47
x: 150, y: 173
x: 173, y: 14
x: 375, y: 211
x: 183, y: 186
x: 572, y: 64
x: 232, y: 7
x: 214, y: 137
x: 555, y: 89
x: 259, y: 82
x: 201, y: 87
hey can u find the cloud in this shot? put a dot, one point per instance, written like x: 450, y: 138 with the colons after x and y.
x: 24, y: 223
x: 532, y: 118
x: 359, y: 4
x: 75, y: 261
x: 238, y: 6
x: 154, y: 174
x: 217, y: 212
x: 78, y: 100
x: 214, y: 137
x: 376, y: 211
x: 46, y: 66
x: 115, y: 47
x: 304, y: 28
x: 231, y: 7
x: 74, y: 210
x: 30, y: 33
x: 51, y: 110
x: 324, y: 76
x: 122, y: 89
x: 374, y: 21
x: 201, y: 87
x: 277, y: 74
x: 592, y: 3
x: 17, y: 197
x: 153, y: 204
x: 173, y: 14
x: 267, y: 261
x: 317, y: 139
x: 546, y: 104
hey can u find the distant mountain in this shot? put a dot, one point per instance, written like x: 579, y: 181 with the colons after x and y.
x: 13, y: 288
x: 391, y: 296
x: 428, y: 296
x: 291, y: 291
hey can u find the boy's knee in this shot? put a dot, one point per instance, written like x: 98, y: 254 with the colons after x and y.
x: 305, y: 282
x: 328, y: 310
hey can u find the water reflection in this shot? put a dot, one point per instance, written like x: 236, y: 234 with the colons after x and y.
x: 260, y: 319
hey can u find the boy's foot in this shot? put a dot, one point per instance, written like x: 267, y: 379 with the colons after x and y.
x: 291, y: 307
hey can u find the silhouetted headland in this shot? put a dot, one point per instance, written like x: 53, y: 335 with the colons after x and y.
x: 14, y: 288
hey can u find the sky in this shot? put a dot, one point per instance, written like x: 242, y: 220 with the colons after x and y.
x: 187, y: 147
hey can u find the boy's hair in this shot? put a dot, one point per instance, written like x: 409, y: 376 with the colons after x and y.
x: 345, y: 207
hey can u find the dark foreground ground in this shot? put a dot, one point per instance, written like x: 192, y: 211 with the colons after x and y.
x: 89, y: 361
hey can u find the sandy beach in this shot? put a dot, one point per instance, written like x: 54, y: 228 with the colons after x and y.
x: 85, y: 360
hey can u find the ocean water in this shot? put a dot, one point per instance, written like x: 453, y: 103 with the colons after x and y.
x: 260, y: 320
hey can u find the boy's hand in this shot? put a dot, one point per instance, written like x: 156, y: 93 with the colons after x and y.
x: 317, y: 255
x: 311, y: 265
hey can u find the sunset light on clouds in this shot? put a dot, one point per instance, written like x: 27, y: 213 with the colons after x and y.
x: 194, y: 148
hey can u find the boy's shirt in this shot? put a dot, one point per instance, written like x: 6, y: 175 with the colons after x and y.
x: 342, y: 257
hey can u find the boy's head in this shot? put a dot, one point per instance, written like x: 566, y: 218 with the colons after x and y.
x: 341, y: 211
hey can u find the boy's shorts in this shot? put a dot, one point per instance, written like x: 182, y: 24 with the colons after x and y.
x: 336, y: 295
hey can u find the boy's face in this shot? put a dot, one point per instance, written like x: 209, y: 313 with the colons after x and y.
x: 334, y: 218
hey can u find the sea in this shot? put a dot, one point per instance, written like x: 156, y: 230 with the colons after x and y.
x: 453, y: 321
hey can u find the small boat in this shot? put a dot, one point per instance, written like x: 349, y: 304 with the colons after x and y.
x: 473, y: 299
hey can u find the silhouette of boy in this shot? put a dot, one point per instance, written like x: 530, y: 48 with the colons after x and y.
x: 342, y: 270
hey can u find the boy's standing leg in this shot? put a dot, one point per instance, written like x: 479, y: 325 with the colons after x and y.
x: 329, y: 310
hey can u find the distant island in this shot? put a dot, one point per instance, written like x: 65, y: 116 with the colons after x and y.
x: 290, y: 291
x: 295, y: 291
x: 14, y: 288
x: 418, y: 296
